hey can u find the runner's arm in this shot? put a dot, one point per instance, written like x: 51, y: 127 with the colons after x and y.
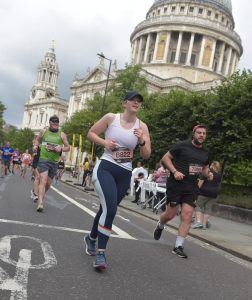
x: 145, y: 150
x: 167, y: 160
x: 38, y: 140
x: 100, y: 127
x: 207, y: 173
x: 66, y: 146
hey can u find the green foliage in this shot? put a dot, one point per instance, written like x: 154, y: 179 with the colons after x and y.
x: 2, y: 133
x: 22, y: 139
x: 240, y: 173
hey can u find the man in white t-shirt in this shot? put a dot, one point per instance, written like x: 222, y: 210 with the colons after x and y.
x: 138, y: 177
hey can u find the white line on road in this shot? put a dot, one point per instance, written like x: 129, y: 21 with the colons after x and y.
x: 119, y: 231
x: 53, y: 227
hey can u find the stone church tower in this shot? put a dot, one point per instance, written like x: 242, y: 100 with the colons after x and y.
x: 186, y: 44
x: 44, y: 100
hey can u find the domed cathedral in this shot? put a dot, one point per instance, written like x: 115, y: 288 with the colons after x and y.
x: 44, y: 100
x: 187, y: 44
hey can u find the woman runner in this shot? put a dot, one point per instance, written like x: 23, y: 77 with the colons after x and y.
x: 112, y: 173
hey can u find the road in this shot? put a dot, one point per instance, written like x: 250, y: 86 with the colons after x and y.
x: 42, y: 255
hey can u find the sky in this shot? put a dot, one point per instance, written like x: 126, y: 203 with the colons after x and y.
x: 80, y: 29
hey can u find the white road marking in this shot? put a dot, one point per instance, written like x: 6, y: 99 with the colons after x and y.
x: 54, y: 227
x: 119, y: 231
x: 18, y: 285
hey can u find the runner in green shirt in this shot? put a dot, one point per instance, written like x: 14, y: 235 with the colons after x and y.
x: 51, y: 140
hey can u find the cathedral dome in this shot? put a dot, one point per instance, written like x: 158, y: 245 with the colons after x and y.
x: 226, y: 4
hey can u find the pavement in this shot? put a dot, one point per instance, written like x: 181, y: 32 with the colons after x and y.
x: 230, y: 236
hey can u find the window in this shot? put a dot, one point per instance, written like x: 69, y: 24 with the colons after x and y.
x: 46, y: 118
x: 158, y: 12
x: 173, y: 8
x: 173, y: 57
x: 192, y: 61
x: 227, y: 23
x: 44, y: 74
x: 200, y: 11
x: 41, y: 118
x: 216, y: 16
x: 209, y: 13
x: 191, y: 9
x: 215, y: 66
x: 149, y: 58
x: 182, y: 9
x: 222, y: 19
x: 50, y: 77
x: 153, y: 14
x: 37, y: 119
x: 182, y: 58
x: 165, y: 10
x: 30, y: 119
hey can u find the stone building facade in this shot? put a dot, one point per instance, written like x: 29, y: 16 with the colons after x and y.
x: 189, y: 44
x: 44, y: 100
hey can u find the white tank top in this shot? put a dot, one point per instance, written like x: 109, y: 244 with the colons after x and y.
x: 123, y: 138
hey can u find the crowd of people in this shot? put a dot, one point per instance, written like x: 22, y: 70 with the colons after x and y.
x: 178, y: 170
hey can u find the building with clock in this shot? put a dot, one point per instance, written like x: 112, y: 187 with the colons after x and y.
x: 44, y: 100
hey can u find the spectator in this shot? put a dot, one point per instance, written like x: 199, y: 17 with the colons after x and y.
x: 208, y: 193
x: 161, y: 176
x: 90, y: 169
x: 60, y: 170
x: 86, y: 164
x: 140, y: 175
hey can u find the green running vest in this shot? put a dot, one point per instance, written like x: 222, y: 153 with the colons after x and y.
x: 49, y: 140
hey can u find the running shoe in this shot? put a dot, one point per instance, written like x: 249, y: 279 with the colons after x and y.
x: 40, y: 207
x: 1, y: 176
x: 179, y: 251
x: 58, y: 183
x: 90, y: 246
x: 197, y: 225
x: 35, y: 199
x: 100, y: 260
x: 204, y: 227
x: 157, y: 232
x: 21, y: 175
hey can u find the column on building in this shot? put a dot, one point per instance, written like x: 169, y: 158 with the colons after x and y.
x: 156, y: 48
x: 212, y: 55
x: 202, y: 51
x: 228, y: 61
x: 139, y: 50
x: 167, y: 47
x: 134, y: 52
x: 146, y: 53
x: 221, y: 59
x: 178, y: 47
x: 234, y: 62
x: 188, y: 63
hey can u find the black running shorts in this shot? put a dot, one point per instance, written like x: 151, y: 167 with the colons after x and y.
x: 179, y: 192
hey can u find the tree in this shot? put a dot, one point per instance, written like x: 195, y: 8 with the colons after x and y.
x: 22, y: 139
x: 2, y: 133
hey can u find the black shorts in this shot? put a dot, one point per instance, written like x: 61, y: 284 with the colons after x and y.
x: 35, y: 165
x: 179, y: 192
x: 15, y: 162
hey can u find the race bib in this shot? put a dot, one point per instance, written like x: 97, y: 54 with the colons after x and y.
x: 195, y: 169
x: 122, y: 155
x: 50, y: 147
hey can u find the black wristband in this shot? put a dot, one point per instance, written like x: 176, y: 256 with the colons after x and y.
x: 142, y: 143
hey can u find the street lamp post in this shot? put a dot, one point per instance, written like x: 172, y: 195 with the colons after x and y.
x: 105, y: 94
